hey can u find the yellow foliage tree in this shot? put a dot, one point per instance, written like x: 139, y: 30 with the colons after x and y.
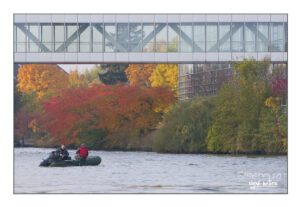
x: 139, y: 74
x: 165, y: 75
x: 43, y: 79
x: 76, y: 79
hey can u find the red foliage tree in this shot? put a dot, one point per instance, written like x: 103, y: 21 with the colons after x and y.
x: 279, y: 87
x: 113, y: 109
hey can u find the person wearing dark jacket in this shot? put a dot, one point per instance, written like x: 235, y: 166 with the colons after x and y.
x: 62, y: 153
x: 82, y: 152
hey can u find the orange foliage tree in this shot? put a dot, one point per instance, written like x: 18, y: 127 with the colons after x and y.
x: 139, y: 74
x: 43, y: 79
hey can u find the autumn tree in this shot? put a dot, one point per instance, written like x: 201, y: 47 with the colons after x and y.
x: 103, y: 115
x: 165, y: 75
x: 139, y: 74
x: 42, y: 79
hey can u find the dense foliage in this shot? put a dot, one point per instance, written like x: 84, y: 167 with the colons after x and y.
x: 165, y: 75
x: 139, y: 74
x: 105, y: 116
x: 154, y: 75
x: 185, y: 127
x: 243, y: 120
x: 42, y: 79
x: 135, y: 107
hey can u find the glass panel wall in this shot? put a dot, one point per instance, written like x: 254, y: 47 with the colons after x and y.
x: 186, y: 37
x: 34, y: 30
x: 277, y: 37
x: 237, y: 38
x: 161, y: 38
x: 250, y: 36
x: 173, y: 37
x: 199, y: 37
x: 224, y: 37
x: 122, y: 37
x: 110, y: 37
x: 85, y: 37
x: 97, y: 36
x: 148, y: 38
x: 135, y: 37
x: 263, y: 37
x: 212, y: 37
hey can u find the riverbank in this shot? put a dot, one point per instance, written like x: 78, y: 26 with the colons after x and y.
x: 149, y: 150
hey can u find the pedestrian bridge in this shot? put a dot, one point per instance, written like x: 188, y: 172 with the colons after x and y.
x: 148, y: 38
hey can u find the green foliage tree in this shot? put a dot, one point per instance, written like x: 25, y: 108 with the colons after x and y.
x: 239, y: 106
x: 273, y: 127
x: 185, y: 127
x: 111, y: 74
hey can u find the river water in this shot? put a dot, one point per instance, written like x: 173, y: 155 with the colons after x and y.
x: 149, y: 172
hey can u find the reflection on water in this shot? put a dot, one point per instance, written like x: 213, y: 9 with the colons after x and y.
x: 148, y: 172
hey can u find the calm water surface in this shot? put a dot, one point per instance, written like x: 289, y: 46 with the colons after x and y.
x: 149, y: 172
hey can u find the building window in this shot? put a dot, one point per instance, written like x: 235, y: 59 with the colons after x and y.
x: 71, y: 43
x: 21, y: 40
x: 285, y: 37
x: 84, y: 37
x: 35, y: 31
x: 199, y: 37
x: 250, y: 37
x: 110, y: 37
x: 122, y: 37
x: 224, y: 37
x: 173, y: 37
x: 186, y: 38
x: 148, y: 38
x: 59, y: 37
x: 97, y: 36
x: 263, y: 37
x: 135, y: 37
x: 161, y: 38
x: 46, y: 37
x: 277, y: 37
x: 237, y: 39
x: 212, y: 37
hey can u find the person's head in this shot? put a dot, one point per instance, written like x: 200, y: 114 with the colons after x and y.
x: 63, y: 147
x: 82, y: 145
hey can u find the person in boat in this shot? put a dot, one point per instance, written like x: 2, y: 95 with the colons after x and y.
x: 61, y: 153
x: 82, y: 153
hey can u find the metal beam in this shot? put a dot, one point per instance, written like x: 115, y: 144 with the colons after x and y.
x: 32, y: 37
